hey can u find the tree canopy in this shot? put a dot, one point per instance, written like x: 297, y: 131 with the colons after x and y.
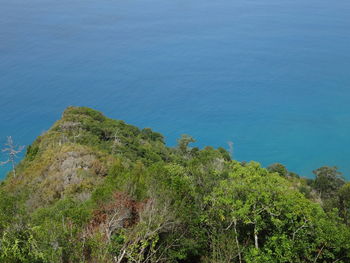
x: 92, y: 189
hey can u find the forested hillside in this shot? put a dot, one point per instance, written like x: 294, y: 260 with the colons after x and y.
x: 93, y: 189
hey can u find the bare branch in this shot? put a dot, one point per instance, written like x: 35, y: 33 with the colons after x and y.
x: 3, y: 163
x: 11, y: 150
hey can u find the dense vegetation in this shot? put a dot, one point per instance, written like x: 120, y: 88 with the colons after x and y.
x: 92, y: 189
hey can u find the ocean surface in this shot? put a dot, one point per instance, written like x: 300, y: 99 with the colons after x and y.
x: 272, y: 76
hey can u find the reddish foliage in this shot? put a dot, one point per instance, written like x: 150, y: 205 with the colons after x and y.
x: 126, y: 209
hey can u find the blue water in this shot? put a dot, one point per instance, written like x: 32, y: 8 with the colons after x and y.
x: 273, y: 76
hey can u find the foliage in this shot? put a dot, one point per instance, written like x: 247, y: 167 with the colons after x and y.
x: 278, y: 168
x: 93, y: 189
x: 328, y: 180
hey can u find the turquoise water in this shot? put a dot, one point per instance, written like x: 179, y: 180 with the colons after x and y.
x: 273, y: 76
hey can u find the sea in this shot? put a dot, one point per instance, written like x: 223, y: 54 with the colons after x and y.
x: 270, y: 76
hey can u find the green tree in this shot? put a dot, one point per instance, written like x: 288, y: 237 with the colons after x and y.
x: 271, y: 221
x: 328, y: 180
x: 184, y: 141
x: 278, y: 168
x: 344, y: 202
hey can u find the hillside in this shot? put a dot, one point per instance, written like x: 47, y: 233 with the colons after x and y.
x: 92, y: 189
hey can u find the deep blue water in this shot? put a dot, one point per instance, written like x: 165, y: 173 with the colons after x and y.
x: 273, y: 76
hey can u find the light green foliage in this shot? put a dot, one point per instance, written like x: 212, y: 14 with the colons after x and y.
x: 93, y: 189
x: 279, y: 224
x: 20, y: 245
x: 8, y: 209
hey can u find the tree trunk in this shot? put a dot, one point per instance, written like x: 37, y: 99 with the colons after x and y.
x: 256, y: 238
x: 237, y: 242
x: 13, y: 168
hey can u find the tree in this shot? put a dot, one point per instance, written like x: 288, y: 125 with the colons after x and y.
x: 344, y: 202
x: 269, y: 221
x: 230, y: 146
x: 184, y: 141
x: 11, y: 150
x: 328, y: 181
x: 278, y: 168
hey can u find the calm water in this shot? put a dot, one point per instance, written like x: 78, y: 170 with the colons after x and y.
x: 273, y: 76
